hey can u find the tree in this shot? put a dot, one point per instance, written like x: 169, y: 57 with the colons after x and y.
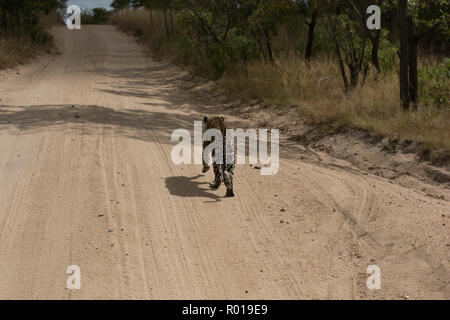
x: 264, y: 18
x: 120, y: 4
x: 22, y: 16
x: 148, y: 4
x: 96, y: 16
x: 374, y: 36
x: 350, y: 41
x: 314, y: 6
x: 404, y: 53
x: 417, y: 19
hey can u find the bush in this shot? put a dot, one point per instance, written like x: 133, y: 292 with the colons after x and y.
x: 23, y: 27
x: 387, y: 54
x: 434, y: 84
x: 96, y: 16
x: 236, y: 48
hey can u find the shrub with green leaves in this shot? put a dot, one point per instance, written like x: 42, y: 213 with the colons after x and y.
x: 220, y: 45
x: 387, y: 53
x: 434, y: 84
x: 96, y: 16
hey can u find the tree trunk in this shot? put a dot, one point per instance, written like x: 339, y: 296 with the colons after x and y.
x: 268, y: 44
x: 354, y: 76
x: 375, y: 49
x: 261, y: 49
x: 171, y: 19
x: 151, y: 16
x: 341, y: 62
x: 165, y: 23
x: 311, y: 28
x: 413, y: 73
x: 269, y: 49
x: 404, y: 55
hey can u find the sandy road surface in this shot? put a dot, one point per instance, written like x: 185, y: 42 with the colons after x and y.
x: 93, y: 185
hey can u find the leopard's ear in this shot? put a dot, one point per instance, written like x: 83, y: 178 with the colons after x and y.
x: 205, y: 119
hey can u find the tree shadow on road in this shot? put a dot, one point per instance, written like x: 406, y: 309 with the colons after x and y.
x: 137, y: 123
x: 188, y: 187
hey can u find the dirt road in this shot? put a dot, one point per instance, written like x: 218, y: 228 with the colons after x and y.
x: 87, y: 180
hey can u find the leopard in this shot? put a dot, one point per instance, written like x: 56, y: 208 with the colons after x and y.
x: 223, y: 172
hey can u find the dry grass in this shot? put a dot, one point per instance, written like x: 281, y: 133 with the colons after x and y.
x: 138, y: 22
x: 18, y: 47
x: 131, y: 20
x: 13, y: 52
x: 315, y: 88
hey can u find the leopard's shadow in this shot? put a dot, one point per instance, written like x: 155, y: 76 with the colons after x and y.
x: 188, y: 187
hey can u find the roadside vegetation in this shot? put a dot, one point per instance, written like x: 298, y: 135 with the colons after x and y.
x: 317, y: 56
x: 96, y: 16
x: 23, y: 29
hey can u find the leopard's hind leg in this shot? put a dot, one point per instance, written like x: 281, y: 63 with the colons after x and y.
x: 228, y: 179
x: 218, y: 176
